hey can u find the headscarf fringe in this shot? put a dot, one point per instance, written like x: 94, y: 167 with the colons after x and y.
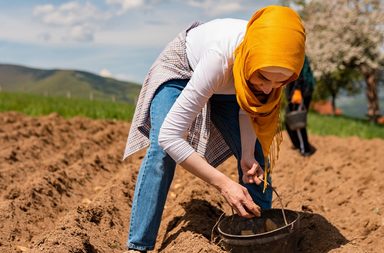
x: 271, y: 159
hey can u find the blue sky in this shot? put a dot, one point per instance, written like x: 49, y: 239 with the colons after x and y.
x: 118, y: 38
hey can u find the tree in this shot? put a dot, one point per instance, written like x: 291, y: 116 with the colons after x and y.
x: 344, y: 35
x: 330, y: 85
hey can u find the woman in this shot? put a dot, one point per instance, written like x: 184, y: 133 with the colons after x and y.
x: 212, y: 92
x: 299, y: 94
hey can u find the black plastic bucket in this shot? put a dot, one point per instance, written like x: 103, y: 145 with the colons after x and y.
x: 241, y: 235
x: 296, y: 119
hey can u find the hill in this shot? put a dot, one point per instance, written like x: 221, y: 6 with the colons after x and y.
x: 68, y: 83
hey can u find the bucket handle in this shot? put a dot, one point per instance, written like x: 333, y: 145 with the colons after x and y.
x: 281, y: 202
x: 216, y: 224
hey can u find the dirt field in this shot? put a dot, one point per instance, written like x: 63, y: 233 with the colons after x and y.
x: 64, y: 188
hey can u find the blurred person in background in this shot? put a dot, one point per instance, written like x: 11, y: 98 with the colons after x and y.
x: 299, y: 95
x: 213, y: 92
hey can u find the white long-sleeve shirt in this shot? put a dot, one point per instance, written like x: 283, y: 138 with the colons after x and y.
x: 210, y: 50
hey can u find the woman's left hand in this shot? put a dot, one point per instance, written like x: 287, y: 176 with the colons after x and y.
x: 252, y: 171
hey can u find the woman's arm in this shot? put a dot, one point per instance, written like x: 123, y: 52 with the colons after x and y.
x: 252, y: 171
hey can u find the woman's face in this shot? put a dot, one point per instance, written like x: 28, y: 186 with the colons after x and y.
x: 265, y: 81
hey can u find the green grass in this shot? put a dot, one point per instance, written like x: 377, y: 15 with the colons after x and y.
x: 35, y: 105
x: 343, y: 126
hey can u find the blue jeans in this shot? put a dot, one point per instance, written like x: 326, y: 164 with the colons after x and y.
x: 157, y: 169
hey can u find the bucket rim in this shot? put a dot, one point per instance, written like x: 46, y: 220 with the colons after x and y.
x: 289, y: 226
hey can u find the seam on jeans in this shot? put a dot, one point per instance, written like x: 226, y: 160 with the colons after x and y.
x: 139, y: 191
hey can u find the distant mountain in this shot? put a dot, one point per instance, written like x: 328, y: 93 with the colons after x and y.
x: 67, y: 83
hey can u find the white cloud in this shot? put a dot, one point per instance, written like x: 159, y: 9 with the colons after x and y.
x: 105, y: 73
x: 126, y: 4
x: 43, y: 9
x: 81, y: 33
x: 77, y: 21
x: 70, y: 13
x: 216, y: 7
x: 143, y: 35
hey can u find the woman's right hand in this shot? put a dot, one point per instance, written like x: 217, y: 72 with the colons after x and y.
x: 239, y: 199
x: 236, y: 194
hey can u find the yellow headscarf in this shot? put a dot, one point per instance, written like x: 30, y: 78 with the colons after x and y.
x: 275, y: 36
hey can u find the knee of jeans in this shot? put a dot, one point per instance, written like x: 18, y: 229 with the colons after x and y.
x: 157, y: 152
x: 159, y: 159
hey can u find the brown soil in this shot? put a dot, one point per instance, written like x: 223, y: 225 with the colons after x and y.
x: 64, y: 188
